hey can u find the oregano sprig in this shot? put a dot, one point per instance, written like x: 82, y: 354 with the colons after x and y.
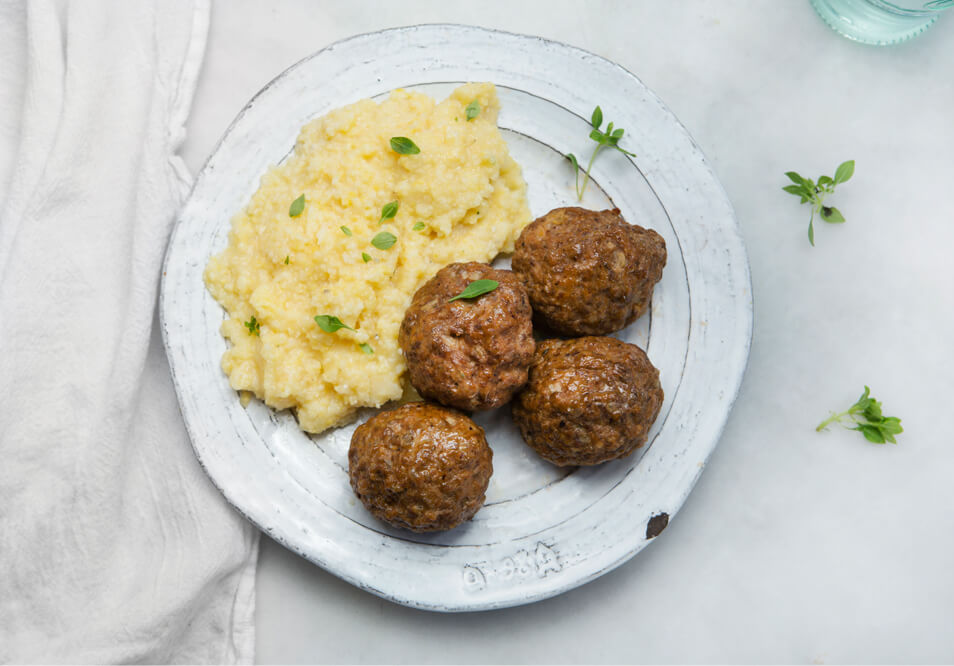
x: 866, y: 417
x: 814, y: 193
x: 253, y: 326
x: 608, y: 139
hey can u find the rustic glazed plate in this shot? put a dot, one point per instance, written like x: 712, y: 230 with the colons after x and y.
x: 543, y: 529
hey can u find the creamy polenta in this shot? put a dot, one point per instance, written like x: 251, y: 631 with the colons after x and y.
x: 461, y: 198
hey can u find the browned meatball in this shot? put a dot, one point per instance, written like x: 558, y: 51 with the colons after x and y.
x: 420, y: 466
x: 588, y: 272
x: 588, y: 400
x: 470, y: 354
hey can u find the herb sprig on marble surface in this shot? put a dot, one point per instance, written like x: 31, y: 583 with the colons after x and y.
x: 866, y: 417
x: 814, y: 193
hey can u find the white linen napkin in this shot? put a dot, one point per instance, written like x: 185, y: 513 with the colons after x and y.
x: 114, y: 546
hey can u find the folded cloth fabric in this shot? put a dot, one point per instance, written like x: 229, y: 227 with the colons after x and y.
x: 114, y: 546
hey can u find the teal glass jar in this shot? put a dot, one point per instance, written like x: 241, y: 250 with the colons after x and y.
x: 879, y: 21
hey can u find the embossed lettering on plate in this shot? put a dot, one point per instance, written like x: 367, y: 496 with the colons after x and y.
x: 511, y: 570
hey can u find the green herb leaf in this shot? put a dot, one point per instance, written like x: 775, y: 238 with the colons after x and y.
x: 795, y: 178
x: 477, y: 288
x: 404, y: 146
x: 597, y: 118
x: 286, y: 259
x: 297, y: 206
x: 598, y: 136
x: 330, y: 323
x: 252, y: 325
x: 890, y: 427
x: 891, y: 423
x: 389, y: 211
x: 861, y: 403
x: 871, y: 433
x: 366, y: 348
x: 473, y: 110
x: 418, y: 226
x: 345, y: 230
x: 844, y: 171
x: 365, y: 257
x: 384, y: 240
x: 797, y: 190
x: 872, y: 411
x: 832, y: 214
x: 576, y: 165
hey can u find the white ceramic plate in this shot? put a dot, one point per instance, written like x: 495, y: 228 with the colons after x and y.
x: 543, y: 529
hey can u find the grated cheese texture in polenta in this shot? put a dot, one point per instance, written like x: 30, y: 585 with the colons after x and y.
x: 462, y: 198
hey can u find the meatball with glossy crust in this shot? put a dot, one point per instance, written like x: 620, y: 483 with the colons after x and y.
x: 588, y: 272
x: 421, y: 467
x: 471, y: 354
x: 588, y: 400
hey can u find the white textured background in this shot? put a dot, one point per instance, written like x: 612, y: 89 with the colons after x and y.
x: 794, y: 546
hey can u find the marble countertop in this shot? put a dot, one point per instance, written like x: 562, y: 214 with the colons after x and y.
x: 794, y: 546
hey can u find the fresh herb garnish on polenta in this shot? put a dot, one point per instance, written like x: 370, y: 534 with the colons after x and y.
x: 389, y: 210
x: 297, y: 206
x: 365, y: 257
x: 345, y: 230
x: 252, y: 325
x: 473, y: 110
x: 404, y: 146
x: 366, y: 348
x: 330, y: 323
x: 384, y: 240
x: 418, y: 226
